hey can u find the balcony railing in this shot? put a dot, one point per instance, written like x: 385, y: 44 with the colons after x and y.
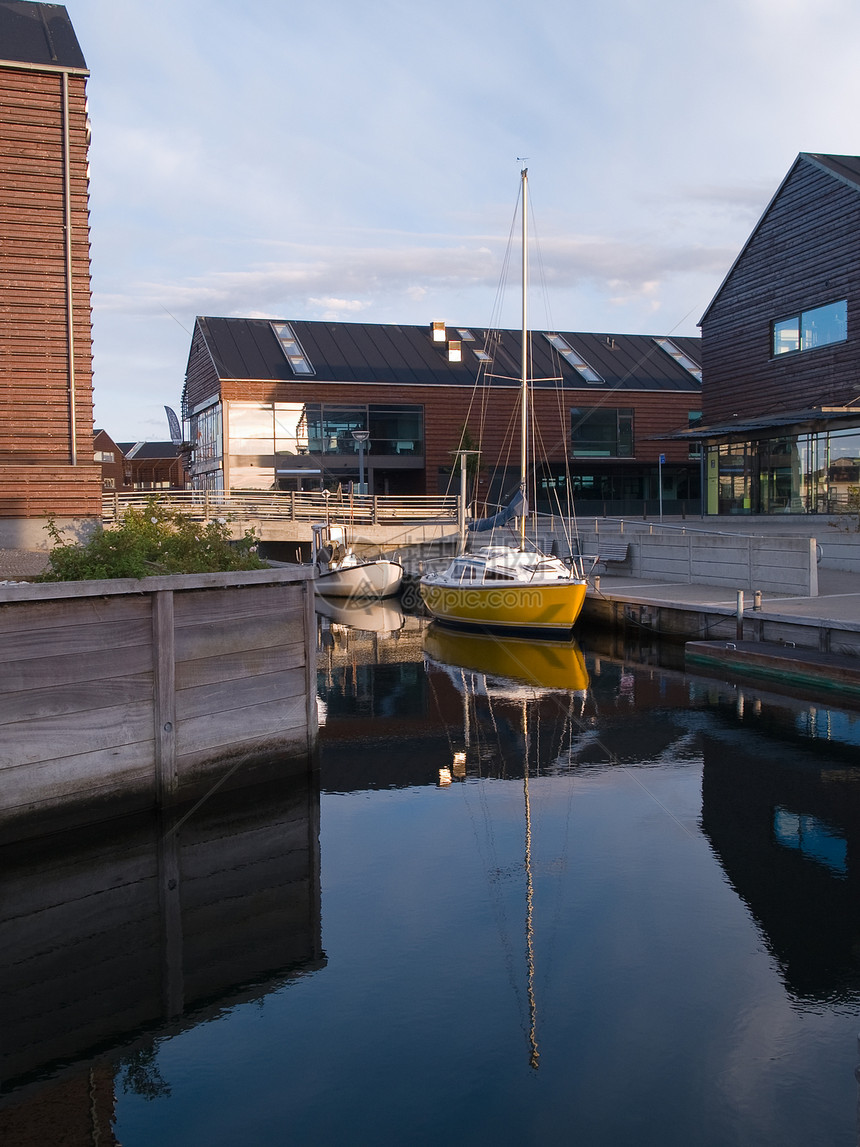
x: 289, y: 506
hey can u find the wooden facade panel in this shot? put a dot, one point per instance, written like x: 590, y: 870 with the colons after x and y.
x: 62, y: 492
x: 804, y: 254
x: 34, y: 343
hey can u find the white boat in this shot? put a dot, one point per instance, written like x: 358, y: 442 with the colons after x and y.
x: 509, y: 587
x: 339, y: 572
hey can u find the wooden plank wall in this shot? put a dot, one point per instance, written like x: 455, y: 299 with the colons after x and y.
x: 804, y: 254
x: 108, y: 702
x: 34, y: 361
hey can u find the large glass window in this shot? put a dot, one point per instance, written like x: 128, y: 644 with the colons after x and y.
x: 601, y: 432
x: 393, y: 429
x: 817, y: 327
x: 206, y: 434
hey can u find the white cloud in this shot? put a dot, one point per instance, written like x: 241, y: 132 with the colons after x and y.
x: 364, y: 162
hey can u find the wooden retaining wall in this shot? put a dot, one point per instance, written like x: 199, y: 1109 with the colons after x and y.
x: 117, y: 695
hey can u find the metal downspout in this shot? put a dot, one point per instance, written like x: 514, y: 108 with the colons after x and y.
x: 70, y: 314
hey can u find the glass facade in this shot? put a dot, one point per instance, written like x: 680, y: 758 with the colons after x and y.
x: 601, y: 432
x: 283, y: 445
x: 805, y: 474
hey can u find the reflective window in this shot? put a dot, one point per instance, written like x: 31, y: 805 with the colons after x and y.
x: 680, y: 357
x: 820, y: 326
x: 573, y: 357
x: 601, y: 432
x: 292, y: 349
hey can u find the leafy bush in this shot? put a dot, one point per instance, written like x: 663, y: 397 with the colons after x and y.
x: 151, y: 541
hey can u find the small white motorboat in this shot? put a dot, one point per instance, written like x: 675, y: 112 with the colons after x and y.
x: 341, y: 573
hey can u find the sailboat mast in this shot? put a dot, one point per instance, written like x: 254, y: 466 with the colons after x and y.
x: 524, y: 387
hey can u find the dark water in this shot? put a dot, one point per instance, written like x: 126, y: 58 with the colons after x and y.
x: 623, y: 913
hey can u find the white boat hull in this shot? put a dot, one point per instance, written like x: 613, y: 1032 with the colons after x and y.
x: 363, y: 580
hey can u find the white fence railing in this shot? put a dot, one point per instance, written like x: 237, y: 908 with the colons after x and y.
x: 291, y: 506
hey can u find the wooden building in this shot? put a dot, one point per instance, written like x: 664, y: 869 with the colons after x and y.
x: 46, y: 406
x: 300, y: 405
x: 781, y: 352
x: 153, y: 466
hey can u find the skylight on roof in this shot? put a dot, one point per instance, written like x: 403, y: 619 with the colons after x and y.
x: 682, y: 359
x: 292, y: 349
x: 481, y: 355
x: 574, y: 358
x: 465, y: 334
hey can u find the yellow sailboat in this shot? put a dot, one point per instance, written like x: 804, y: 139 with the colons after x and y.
x: 509, y: 587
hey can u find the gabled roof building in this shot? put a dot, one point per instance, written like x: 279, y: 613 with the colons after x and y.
x: 288, y: 404
x: 781, y: 352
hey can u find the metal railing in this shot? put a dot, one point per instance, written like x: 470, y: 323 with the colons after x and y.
x: 291, y: 506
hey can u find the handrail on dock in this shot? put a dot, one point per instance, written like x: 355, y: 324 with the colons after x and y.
x: 289, y: 505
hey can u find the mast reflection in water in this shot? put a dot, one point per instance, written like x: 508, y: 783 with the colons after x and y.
x: 562, y: 897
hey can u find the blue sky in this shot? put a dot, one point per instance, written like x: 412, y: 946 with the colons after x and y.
x: 358, y: 162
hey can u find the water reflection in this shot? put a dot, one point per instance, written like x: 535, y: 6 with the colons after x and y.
x: 119, y: 937
x: 641, y: 882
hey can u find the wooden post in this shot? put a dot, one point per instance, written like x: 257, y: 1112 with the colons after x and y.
x: 164, y: 696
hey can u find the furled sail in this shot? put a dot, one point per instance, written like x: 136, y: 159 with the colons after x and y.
x: 518, y: 507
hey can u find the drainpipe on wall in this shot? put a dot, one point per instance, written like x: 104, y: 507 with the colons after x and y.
x: 67, y: 227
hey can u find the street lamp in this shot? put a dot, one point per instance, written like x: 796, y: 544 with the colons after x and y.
x: 361, y: 436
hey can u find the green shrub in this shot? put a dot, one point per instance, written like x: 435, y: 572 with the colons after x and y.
x: 151, y: 541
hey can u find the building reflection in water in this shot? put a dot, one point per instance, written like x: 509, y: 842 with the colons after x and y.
x: 131, y: 932
x: 781, y: 807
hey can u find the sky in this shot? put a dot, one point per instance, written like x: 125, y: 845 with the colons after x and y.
x: 359, y: 162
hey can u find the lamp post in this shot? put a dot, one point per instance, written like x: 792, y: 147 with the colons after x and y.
x: 361, y: 436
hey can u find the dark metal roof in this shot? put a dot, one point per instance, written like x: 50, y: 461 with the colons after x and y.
x: 38, y: 34
x: 148, y: 449
x: 405, y: 355
x: 816, y: 418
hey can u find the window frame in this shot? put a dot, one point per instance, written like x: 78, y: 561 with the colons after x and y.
x: 801, y: 322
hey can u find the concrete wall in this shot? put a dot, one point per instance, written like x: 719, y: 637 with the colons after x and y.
x: 783, y: 565
x: 117, y: 695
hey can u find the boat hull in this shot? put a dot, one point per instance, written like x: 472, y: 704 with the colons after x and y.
x: 365, y: 580
x: 532, y: 607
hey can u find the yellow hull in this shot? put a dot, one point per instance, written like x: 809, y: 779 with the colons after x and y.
x: 546, y: 664
x: 530, y: 606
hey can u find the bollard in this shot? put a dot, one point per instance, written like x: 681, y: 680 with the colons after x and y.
x: 597, y: 584
x: 757, y: 599
x: 740, y: 615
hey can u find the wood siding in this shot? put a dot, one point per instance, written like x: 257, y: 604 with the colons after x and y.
x: 114, y: 693
x: 35, y: 422
x: 804, y: 253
